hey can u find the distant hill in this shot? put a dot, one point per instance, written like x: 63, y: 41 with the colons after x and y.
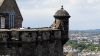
x: 94, y: 30
x: 84, y: 33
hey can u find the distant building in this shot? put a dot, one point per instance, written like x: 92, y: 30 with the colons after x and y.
x: 96, y: 40
x: 69, y: 51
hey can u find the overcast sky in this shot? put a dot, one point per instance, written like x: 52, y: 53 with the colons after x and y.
x: 85, y: 14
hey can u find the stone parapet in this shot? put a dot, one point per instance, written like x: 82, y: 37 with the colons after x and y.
x: 29, y: 35
x: 31, y: 42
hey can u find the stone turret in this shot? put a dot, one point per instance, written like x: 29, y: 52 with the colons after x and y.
x: 62, y: 22
x: 61, y: 19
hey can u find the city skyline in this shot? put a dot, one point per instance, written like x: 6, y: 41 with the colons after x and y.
x: 84, y: 13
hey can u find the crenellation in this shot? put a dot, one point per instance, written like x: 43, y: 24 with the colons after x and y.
x: 31, y: 36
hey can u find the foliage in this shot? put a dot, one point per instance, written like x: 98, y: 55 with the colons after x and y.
x: 83, y: 45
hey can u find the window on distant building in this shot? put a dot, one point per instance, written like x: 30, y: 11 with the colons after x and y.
x: 2, y: 19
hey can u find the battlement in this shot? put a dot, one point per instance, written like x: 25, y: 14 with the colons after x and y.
x: 29, y: 35
x: 31, y: 42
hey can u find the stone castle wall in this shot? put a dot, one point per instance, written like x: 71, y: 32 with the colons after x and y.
x: 28, y: 42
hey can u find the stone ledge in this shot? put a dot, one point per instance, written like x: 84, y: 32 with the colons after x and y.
x: 29, y: 36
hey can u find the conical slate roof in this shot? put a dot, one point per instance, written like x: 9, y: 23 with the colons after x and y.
x: 61, y: 13
x: 1, y: 2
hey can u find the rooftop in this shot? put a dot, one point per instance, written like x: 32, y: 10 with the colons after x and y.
x: 61, y: 13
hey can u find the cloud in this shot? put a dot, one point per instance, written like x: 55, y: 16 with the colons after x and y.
x: 84, y: 13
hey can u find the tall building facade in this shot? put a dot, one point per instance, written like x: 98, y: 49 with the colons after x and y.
x: 34, y: 41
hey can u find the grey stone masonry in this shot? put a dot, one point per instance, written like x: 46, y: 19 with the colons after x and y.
x: 30, y: 42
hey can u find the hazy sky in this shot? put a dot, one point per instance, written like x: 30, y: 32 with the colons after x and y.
x: 85, y: 14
